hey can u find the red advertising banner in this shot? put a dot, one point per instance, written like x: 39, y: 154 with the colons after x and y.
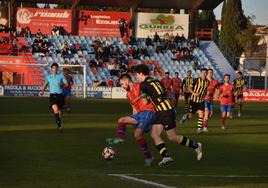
x: 255, y: 95
x: 44, y: 19
x: 101, y: 24
x: 32, y: 75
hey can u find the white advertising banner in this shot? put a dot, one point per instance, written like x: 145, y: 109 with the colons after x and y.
x: 149, y: 23
x: 119, y: 93
x: 1, y: 90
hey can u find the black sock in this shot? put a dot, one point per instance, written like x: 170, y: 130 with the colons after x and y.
x: 186, y: 108
x: 187, y: 142
x: 57, y: 119
x: 162, y: 150
x: 240, y: 107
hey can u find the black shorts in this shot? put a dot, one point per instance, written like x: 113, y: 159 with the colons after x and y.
x: 195, y: 106
x: 187, y: 96
x: 57, y: 99
x: 240, y: 96
x: 167, y: 119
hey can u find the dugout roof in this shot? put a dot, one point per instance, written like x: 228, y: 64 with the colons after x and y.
x: 175, y: 4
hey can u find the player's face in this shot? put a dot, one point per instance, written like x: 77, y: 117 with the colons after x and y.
x: 210, y: 73
x: 167, y: 75
x: 226, y: 79
x: 176, y: 75
x: 238, y: 75
x: 140, y: 77
x: 203, y: 74
x: 189, y: 73
x: 124, y: 83
x: 54, y: 70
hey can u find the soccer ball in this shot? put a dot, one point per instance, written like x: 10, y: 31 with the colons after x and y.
x: 108, y: 153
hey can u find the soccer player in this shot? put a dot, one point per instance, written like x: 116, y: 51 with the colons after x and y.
x: 56, y: 83
x: 226, y: 98
x: 197, y: 100
x: 142, y: 118
x: 239, y: 84
x: 187, y: 81
x: 212, y: 88
x: 176, y: 85
x: 67, y: 91
x: 166, y: 82
x: 153, y: 90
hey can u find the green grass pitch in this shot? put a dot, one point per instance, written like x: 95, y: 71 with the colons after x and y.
x: 33, y: 154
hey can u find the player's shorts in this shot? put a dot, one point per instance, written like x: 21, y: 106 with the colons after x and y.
x: 240, y: 96
x: 187, y: 96
x: 145, y: 120
x: 175, y: 96
x: 57, y: 99
x: 195, y: 106
x: 226, y: 108
x: 67, y: 92
x: 209, y: 105
x: 167, y: 119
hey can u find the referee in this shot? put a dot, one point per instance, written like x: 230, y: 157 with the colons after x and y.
x: 56, y: 82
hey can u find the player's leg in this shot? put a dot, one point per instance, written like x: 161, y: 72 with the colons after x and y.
x: 144, y: 125
x: 186, y: 103
x: 239, y: 102
x: 57, y: 103
x: 121, y: 129
x: 160, y: 145
x: 138, y: 135
x: 189, y: 114
x: 228, y: 111
x: 200, y: 121
x: 233, y: 106
x: 68, y: 103
x: 57, y: 115
x: 175, y: 97
x: 223, y: 115
x: 172, y: 136
x: 206, y: 115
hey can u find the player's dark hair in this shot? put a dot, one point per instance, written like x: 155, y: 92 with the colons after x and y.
x: 210, y: 69
x: 141, y: 68
x: 124, y: 76
x: 227, y: 75
x: 189, y: 71
x: 54, y: 64
x: 167, y: 73
x: 176, y: 73
x: 239, y: 72
x: 204, y: 69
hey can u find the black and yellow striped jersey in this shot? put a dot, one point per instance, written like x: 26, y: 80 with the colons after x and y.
x: 239, y: 86
x: 199, y: 86
x: 187, y: 81
x: 157, y: 93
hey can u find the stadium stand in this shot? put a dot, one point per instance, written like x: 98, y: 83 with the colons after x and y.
x: 106, y: 58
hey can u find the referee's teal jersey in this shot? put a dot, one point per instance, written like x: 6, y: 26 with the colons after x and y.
x: 54, y: 81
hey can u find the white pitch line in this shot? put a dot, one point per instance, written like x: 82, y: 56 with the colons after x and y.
x: 124, y: 176
x: 200, y: 175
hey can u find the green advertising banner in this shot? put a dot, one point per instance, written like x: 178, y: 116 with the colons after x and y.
x: 147, y: 24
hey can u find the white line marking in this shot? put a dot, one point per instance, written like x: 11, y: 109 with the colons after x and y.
x: 200, y: 175
x: 124, y: 176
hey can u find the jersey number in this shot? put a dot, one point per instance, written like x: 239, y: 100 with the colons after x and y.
x: 157, y: 86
